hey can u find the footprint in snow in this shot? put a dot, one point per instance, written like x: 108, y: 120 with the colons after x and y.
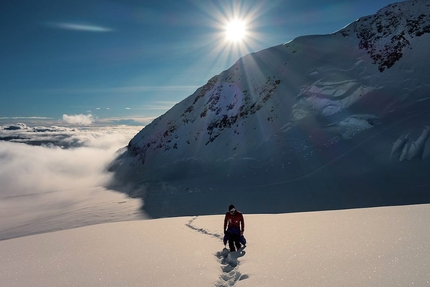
x: 229, y: 266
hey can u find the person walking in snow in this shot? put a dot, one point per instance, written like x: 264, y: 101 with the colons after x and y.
x: 234, y: 226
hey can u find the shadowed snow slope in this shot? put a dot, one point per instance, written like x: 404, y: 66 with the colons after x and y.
x: 321, y: 122
x: 385, y: 246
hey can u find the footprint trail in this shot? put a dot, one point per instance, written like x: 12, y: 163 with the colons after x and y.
x: 228, y: 260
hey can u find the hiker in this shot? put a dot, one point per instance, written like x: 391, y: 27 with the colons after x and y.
x: 234, y: 226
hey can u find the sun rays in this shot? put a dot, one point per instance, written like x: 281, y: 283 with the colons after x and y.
x: 233, y: 30
x: 227, y: 31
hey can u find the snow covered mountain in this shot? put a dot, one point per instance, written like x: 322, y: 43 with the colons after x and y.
x: 320, y: 122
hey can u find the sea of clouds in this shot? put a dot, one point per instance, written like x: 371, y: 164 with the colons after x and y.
x: 46, y: 171
x: 47, y: 159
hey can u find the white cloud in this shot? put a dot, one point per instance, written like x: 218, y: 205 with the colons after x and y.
x: 35, y: 169
x: 81, y: 120
x: 85, y: 27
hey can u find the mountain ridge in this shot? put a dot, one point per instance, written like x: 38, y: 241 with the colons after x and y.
x: 293, y: 110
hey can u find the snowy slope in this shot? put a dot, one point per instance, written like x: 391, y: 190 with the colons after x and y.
x: 302, y: 121
x: 365, y: 247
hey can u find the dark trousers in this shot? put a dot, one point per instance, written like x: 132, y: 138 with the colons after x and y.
x: 233, y: 240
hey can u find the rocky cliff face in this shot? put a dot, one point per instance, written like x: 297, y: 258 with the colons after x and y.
x: 292, y: 111
x: 386, y: 35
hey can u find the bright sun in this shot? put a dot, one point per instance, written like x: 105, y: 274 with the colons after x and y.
x: 235, y: 30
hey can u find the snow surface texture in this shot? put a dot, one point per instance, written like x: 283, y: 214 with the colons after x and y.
x: 321, y: 122
x: 385, y: 246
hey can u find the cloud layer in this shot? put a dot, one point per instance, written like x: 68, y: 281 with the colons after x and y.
x: 57, y: 158
x: 54, y: 178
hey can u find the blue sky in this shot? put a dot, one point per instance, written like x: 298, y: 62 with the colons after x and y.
x: 130, y: 61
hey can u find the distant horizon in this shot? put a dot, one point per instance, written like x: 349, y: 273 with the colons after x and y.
x: 75, y: 121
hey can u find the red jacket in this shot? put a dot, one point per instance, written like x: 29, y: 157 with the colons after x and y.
x: 234, y: 221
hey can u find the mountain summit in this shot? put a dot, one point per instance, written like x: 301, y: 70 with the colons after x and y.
x: 320, y: 122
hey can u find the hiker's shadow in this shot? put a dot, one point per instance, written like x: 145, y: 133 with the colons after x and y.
x: 238, y: 253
